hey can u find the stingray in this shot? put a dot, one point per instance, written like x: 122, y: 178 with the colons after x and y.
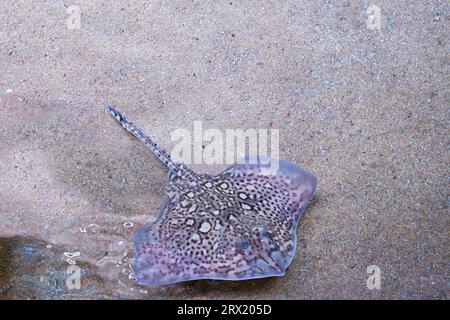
x: 237, y: 225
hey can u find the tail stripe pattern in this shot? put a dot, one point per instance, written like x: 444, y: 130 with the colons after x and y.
x: 158, y: 151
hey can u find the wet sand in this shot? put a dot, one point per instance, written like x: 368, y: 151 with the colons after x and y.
x: 365, y: 109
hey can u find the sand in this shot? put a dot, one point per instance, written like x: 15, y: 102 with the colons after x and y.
x: 362, y: 105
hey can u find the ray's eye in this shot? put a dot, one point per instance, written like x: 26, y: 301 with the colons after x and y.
x: 267, y: 237
x: 244, y: 245
x: 266, y: 234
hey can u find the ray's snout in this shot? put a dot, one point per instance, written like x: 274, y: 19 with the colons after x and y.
x: 303, y: 182
x: 308, y: 184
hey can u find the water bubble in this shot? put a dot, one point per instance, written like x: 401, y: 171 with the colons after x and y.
x: 93, y: 228
x: 128, y: 224
x: 131, y: 276
x: 29, y: 249
x: 72, y: 255
x: 83, y: 229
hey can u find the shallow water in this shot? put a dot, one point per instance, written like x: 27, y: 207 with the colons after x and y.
x: 65, y: 215
x: 48, y: 230
x: 33, y: 268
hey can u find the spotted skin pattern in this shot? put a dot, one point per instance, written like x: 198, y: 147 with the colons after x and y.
x: 240, y: 224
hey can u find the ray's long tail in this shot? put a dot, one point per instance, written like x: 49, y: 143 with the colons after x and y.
x: 157, y: 150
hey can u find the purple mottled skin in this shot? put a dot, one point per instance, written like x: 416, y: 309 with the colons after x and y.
x: 240, y: 224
